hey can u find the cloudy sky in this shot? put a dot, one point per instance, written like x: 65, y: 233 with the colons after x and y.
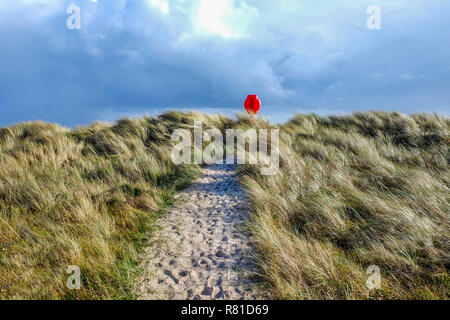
x: 132, y: 57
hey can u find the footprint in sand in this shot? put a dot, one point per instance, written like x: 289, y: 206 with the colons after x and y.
x: 204, y: 259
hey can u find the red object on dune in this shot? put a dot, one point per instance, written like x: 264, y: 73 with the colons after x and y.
x: 252, y: 104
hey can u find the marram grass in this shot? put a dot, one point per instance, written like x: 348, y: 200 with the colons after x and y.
x: 86, y: 197
x: 366, y: 189
x: 354, y: 191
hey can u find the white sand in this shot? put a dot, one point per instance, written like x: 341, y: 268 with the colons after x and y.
x: 202, y: 250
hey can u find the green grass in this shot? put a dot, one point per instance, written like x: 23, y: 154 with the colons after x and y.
x: 87, y: 197
x: 354, y: 191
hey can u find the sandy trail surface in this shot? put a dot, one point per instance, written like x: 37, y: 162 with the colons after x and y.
x: 201, y: 249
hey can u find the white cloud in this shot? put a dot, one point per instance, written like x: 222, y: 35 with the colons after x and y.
x: 161, y: 5
x: 408, y: 76
x: 224, y: 17
x: 36, y: 10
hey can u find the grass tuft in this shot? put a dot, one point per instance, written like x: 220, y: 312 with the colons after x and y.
x: 353, y: 191
x: 87, y: 197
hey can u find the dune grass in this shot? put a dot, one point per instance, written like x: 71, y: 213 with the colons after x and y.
x: 353, y: 191
x: 85, y: 197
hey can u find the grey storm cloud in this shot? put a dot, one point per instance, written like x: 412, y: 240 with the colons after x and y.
x: 136, y: 56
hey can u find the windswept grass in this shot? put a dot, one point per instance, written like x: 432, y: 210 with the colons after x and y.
x: 85, y: 197
x: 353, y: 191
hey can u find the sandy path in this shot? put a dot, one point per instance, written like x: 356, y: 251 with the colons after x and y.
x: 202, y: 251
